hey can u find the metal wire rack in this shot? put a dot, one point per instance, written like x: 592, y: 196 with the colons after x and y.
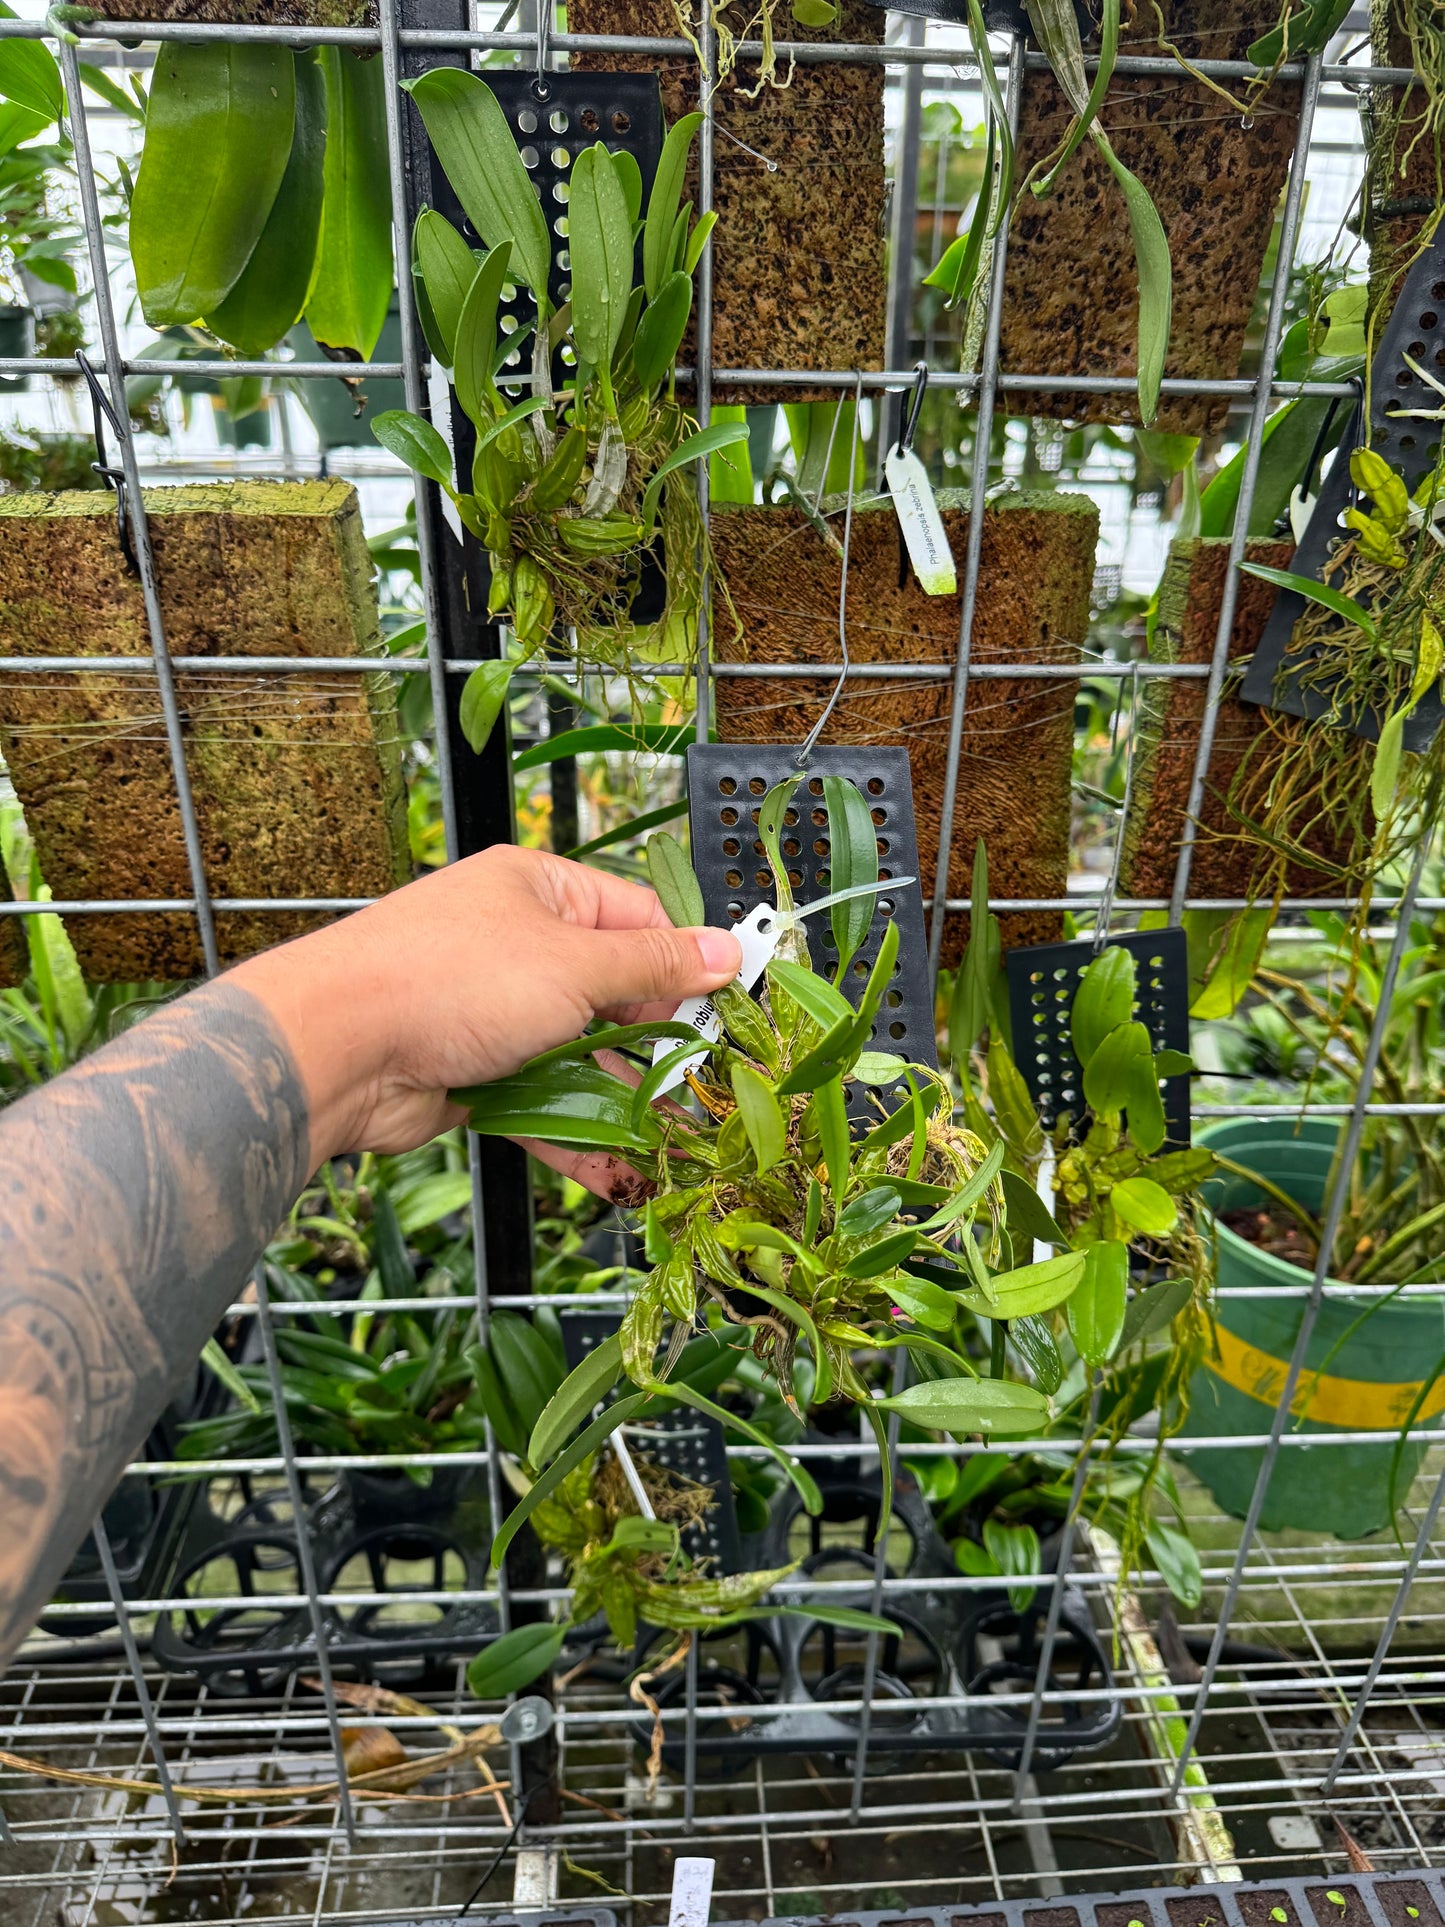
x: 1310, y: 1686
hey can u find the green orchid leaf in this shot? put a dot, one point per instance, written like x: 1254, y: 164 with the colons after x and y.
x: 762, y: 1116
x: 1145, y: 1205
x: 1103, y: 1001
x: 675, y: 881
x: 581, y: 1391
x: 475, y: 340
x: 484, y: 694
x: 514, y: 1660
x: 982, y: 1405
x: 547, y: 1482
x: 852, y: 861
x: 479, y: 155
x: 663, y: 202
x: 1096, y: 1310
x: 417, y: 444
x: 448, y: 269
x: 352, y: 281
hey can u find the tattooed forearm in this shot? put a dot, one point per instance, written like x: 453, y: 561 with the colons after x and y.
x: 135, y: 1192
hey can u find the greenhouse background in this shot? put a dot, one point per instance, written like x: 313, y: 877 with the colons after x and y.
x: 1239, y: 1690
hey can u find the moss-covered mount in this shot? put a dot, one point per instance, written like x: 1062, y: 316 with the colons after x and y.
x: 1225, y: 862
x: 798, y: 252
x: 1033, y: 606
x: 1071, y: 293
x: 245, y: 13
x: 297, y: 777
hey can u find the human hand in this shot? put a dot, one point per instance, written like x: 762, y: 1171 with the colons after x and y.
x: 461, y: 978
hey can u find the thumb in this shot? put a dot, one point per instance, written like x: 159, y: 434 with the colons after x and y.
x: 618, y: 969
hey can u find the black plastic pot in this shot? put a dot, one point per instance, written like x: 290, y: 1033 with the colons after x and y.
x: 17, y: 337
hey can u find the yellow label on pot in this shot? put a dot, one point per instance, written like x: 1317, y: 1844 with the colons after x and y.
x: 1354, y: 1404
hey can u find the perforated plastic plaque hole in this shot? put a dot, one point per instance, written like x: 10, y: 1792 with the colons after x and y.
x: 1416, y: 328
x: 726, y: 784
x: 624, y: 111
x: 1041, y: 986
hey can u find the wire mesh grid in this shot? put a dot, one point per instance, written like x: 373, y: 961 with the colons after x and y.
x: 1307, y: 1689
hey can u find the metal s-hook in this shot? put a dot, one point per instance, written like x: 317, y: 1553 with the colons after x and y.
x: 915, y: 405
x: 541, y: 90
x: 101, y: 413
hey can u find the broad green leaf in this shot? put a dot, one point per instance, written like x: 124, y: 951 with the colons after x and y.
x: 218, y: 137
x: 1156, y: 280
x: 663, y: 202
x: 1014, y: 1549
x: 630, y: 174
x: 351, y: 287
x: 904, y: 1122
x: 574, y: 1399
x: 869, y: 1212
x: 29, y: 75
x: 813, y: 994
x: 448, y: 268
x: 1103, y: 1001
x: 1176, y: 1560
x: 1110, y: 1070
x: 878, y: 1067
x: 886, y: 1254
x: 762, y: 1116
x: 928, y: 1304
x: 1385, y: 768
x: 630, y: 739
x: 1013, y: 1108
x: 517, y: 413
x: 1144, y: 1204
x: 971, y: 1405
x: 514, y: 1660
x: 1096, y: 1310
x: 969, y: 1194
x: 476, y: 338
x: 1150, y: 1310
x: 837, y: 1050
x: 730, y: 474
x: 479, y: 156
x: 600, y: 241
x: 483, y: 695
x: 1033, y: 1339
x: 698, y: 240
x: 831, y: 1116
x: 268, y: 298
x: 217, y: 1361
x: 612, y: 1037
x: 971, y: 1006
x: 660, y: 332
x: 675, y: 881
x: 1028, y: 1289
x: 581, y: 1104
x: 852, y: 1618
x: 707, y: 441
x: 852, y: 860
x: 1328, y: 598
x: 416, y: 443
x: 1027, y: 1213
x: 1230, y: 971
x: 547, y: 1482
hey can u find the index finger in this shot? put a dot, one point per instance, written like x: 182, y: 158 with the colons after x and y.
x: 599, y: 901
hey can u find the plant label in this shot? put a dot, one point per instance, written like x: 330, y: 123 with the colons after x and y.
x: 759, y: 933
x: 920, y: 522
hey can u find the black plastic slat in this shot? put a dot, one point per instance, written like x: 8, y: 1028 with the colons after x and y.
x: 1416, y: 327
x: 1042, y: 982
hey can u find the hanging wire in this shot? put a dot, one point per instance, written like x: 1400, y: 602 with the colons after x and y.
x: 810, y: 741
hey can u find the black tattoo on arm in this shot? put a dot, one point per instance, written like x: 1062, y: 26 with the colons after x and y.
x: 135, y: 1193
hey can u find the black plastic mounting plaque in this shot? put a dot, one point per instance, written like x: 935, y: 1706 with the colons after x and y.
x: 726, y: 785
x: 686, y: 1442
x: 1416, y: 328
x: 1042, y: 981
x: 552, y: 127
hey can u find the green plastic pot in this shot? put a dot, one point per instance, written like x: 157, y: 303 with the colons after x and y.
x: 1369, y: 1384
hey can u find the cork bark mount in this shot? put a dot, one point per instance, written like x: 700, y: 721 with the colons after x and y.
x: 798, y: 254
x: 1033, y: 605
x: 1226, y: 863
x: 297, y: 777
x: 1071, y: 302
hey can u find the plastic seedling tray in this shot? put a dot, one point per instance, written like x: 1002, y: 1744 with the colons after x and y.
x: 1416, y: 328
x: 251, y: 1651
x: 968, y: 1648
x: 1042, y: 982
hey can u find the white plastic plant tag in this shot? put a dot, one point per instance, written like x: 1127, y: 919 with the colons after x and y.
x: 759, y: 933
x: 439, y: 400
x: 920, y: 521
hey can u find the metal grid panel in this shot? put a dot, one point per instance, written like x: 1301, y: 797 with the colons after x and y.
x: 1341, y: 1724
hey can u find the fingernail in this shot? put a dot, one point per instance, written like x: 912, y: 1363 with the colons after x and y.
x: 721, y: 953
